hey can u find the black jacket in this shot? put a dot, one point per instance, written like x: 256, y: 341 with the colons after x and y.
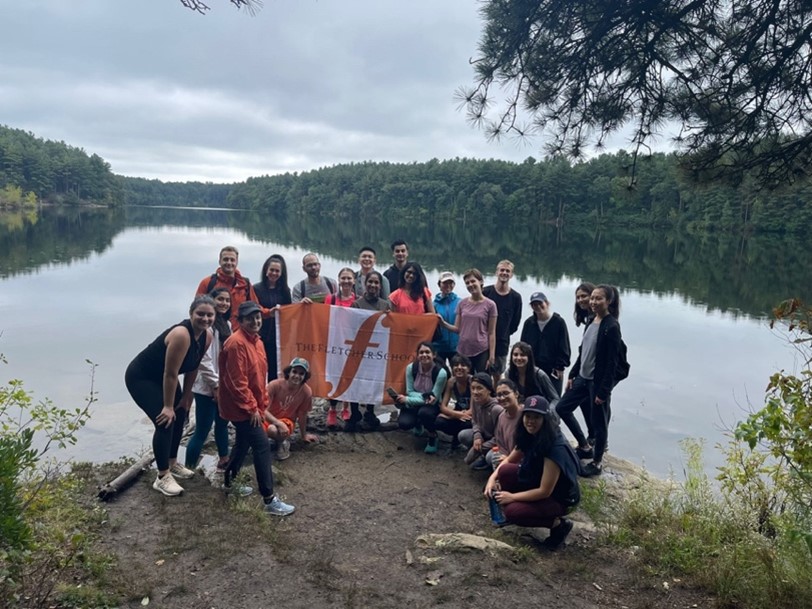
x: 551, y: 348
x: 607, y: 351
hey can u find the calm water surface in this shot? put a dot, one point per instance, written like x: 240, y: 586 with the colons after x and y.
x: 100, y: 286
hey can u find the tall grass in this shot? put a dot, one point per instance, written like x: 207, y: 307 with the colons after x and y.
x: 718, y: 539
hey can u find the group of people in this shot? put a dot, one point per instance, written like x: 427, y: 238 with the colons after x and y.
x: 501, y: 403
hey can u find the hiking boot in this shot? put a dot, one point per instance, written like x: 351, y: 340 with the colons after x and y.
x: 167, y: 485
x: 277, y: 507
x: 283, y: 452
x: 332, y: 418
x: 371, y: 420
x: 417, y: 430
x: 591, y: 469
x: 431, y: 446
x: 585, y: 453
x: 471, y: 456
x: 351, y: 424
x: 558, y: 534
x: 180, y: 471
x: 480, y: 464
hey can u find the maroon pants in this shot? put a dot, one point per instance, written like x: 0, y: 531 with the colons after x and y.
x: 540, y: 513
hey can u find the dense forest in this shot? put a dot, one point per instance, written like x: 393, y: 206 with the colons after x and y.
x: 608, y: 190
x: 599, y: 191
x: 140, y: 191
x: 34, y: 170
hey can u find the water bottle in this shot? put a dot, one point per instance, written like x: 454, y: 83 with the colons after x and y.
x: 495, y: 460
x: 497, y: 515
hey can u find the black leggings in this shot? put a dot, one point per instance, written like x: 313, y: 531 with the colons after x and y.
x: 411, y: 416
x: 149, y: 395
x: 479, y: 361
x: 584, y: 389
x: 451, y: 427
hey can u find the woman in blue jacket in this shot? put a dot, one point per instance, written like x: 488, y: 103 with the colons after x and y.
x: 445, y: 304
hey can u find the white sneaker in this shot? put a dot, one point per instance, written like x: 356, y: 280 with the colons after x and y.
x: 277, y: 507
x: 167, y: 485
x: 283, y: 452
x: 181, y: 471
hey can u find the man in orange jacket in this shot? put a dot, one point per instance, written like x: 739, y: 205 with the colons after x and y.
x: 229, y: 277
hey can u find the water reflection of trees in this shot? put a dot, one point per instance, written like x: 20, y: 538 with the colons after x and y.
x: 723, y: 272
x: 32, y: 239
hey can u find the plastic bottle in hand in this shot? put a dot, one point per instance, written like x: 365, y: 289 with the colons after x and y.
x: 496, y: 457
x: 497, y: 515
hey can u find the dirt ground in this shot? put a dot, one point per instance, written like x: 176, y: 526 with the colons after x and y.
x: 364, y: 503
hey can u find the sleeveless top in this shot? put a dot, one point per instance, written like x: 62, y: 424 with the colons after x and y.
x: 152, y: 360
x: 462, y: 400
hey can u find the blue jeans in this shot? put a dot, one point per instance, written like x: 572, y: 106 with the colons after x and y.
x: 206, y: 413
x: 584, y: 389
x: 255, y: 438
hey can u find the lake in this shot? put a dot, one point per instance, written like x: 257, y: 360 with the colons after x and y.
x: 100, y: 284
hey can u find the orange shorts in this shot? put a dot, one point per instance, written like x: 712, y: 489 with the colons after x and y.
x: 288, y: 423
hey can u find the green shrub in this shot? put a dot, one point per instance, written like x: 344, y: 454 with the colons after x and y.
x: 42, y: 526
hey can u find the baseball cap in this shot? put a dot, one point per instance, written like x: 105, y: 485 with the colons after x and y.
x: 538, y: 297
x: 248, y: 307
x: 300, y: 362
x: 537, y: 404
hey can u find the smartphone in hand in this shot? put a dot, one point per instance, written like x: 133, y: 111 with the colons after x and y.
x: 392, y: 393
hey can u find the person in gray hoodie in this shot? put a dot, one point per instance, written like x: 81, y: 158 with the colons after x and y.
x: 485, y: 412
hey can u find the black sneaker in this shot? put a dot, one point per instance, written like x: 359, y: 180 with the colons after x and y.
x: 585, y: 453
x: 558, y: 534
x: 591, y: 469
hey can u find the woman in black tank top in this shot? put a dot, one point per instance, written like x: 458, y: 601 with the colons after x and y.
x: 152, y: 380
x: 457, y: 417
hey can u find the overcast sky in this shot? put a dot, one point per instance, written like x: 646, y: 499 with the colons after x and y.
x: 160, y: 91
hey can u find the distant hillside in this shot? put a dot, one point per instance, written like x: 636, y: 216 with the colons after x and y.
x: 604, y: 190
x: 141, y: 191
x: 53, y: 171
x: 610, y: 189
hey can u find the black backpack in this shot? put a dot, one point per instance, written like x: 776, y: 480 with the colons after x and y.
x: 213, y: 282
x: 623, y: 366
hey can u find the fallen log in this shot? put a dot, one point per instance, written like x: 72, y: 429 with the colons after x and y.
x: 128, y: 476
x: 109, y: 490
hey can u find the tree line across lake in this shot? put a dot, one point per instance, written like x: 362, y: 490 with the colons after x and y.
x: 599, y: 191
x: 726, y: 272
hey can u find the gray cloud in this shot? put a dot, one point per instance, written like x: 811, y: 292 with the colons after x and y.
x: 160, y: 91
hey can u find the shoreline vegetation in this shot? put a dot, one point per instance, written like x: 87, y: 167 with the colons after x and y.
x: 601, y: 191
